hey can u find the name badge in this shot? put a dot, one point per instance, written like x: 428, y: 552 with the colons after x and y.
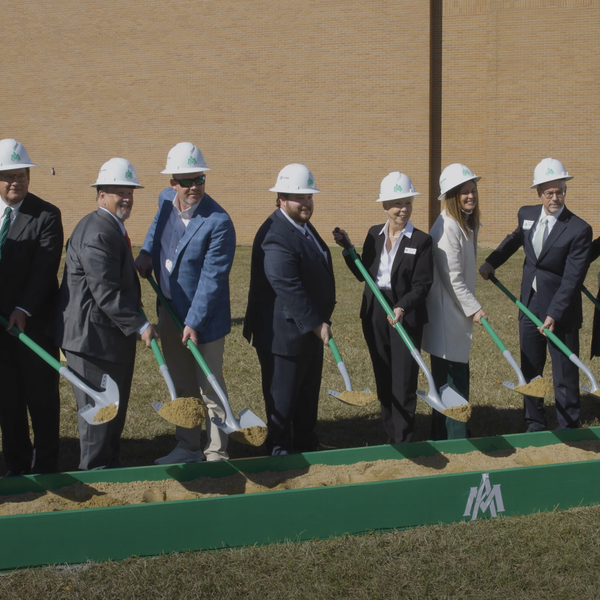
x: 410, y: 250
x: 527, y: 225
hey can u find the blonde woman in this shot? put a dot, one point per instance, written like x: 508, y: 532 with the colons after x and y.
x: 451, y: 303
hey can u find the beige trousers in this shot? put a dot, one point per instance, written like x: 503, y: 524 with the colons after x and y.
x: 190, y: 382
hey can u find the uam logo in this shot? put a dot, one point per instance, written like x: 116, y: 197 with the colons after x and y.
x: 397, y: 188
x: 14, y: 157
x: 549, y: 171
x: 129, y: 175
x: 466, y: 172
x: 192, y: 161
x: 310, y: 181
x: 483, y: 497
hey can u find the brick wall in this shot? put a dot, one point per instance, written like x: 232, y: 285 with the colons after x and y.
x: 351, y: 89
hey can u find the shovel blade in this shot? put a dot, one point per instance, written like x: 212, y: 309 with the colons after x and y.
x: 249, y: 419
x: 101, y: 400
x: 451, y: 398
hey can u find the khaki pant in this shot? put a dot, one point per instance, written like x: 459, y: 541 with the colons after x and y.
x: 190, y: 382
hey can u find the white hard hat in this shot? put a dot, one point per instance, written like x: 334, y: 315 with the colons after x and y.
x: 549, y: 169
x: 396, y: 185
x: 13, y: 156
x: 453, y: 176
x: 295, y: 179
x: 118, y: 171
x: 184, y: 158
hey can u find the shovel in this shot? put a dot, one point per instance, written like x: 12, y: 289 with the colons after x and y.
x: 590, y: 296
x: 448, y: 402
x: 164, y: 371
x: 243, y: 429
x: 349, y: 396
x: 553, y: 337
x: 109, y: 395
x: 522, y: 387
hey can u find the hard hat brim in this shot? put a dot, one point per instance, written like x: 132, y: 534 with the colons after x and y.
x: 300, y: 191
x: 535, y: 185
x: 18, y: 166
x: 442, y: 196
x: 117, y: 184
x: 180, y: 172
x: 398, y: 197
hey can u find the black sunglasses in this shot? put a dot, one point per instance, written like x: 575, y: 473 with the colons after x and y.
x: 190, y: 182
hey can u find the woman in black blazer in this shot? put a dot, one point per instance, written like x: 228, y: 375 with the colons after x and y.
x: 399, y: 259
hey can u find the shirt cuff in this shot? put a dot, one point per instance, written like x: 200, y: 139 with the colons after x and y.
x: 25, y: 311
x: 144, y: 327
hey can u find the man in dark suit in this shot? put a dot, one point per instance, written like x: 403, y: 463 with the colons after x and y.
x: 99, y: 316
x: 290, y: 302
x: 31, y: 238
x: 557, y: 247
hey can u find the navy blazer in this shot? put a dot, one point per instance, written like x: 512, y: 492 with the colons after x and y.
x: 559, y: 270
x: 200, y: 277
x: 292, y: 288
x: 411, y: 277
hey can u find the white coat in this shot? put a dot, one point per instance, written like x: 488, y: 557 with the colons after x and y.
x: 451, y: 302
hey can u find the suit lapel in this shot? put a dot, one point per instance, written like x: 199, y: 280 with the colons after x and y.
x: 404, y: 243
x: 559, y: 228
x: 190, y: 231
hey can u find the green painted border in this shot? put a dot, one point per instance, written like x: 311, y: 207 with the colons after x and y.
x: 147, y: 529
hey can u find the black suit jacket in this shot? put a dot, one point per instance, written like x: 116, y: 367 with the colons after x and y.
x: 560, y: 268
x: 292, y: 288
x: 30, y: 261
x: 412, y: 273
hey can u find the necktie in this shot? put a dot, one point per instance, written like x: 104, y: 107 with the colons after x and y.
x: 310, y: 238
x: 5, y: 228
x: 538, y: 241
x: 128, y: 242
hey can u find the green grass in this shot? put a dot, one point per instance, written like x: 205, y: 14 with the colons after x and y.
x: 539, y: 556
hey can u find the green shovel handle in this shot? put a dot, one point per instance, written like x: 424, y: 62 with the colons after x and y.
x: 381, y: 298
x: 557, y: 342
x: 154, y: 345
x: 590, y: 296
x: 334, y: 350
x: 493, y: 334
x: 179, y: 326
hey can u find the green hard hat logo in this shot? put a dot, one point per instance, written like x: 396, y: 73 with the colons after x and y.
x: 15, y: 157
x: 192, y: 161
x: 128, y: 175
x: 310, y: 181
x: 466, y: 172
x: 549, y: 171
x: 397, y: 188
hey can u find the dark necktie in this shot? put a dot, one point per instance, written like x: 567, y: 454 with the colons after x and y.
x: 128, y: 242
x: 310, y: 238
x: 5, y: 228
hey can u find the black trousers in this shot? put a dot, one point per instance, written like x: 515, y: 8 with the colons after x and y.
x: 396, y: 372
x: 534, y: 347
x: 291, y: 386
x: 29, y: 384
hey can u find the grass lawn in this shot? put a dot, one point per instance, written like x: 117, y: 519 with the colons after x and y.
x: 538, y: 556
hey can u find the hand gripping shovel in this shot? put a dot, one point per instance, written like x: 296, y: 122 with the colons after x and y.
x: 553, y: 337
x: 109, y: 396
x: 349, y: 396
x: 184, y: 412
x: 248, y: 429
x: 448, y: 402
x: 539, y: 389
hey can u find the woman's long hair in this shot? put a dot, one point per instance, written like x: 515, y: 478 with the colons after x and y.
x: 454, y: 210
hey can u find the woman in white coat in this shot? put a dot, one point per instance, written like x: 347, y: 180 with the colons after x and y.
x: 451, y: 303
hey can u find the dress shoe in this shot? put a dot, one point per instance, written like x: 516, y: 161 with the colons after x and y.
x: 14, y: 473
x: 180, y: 455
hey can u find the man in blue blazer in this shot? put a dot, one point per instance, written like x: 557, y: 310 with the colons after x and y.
x: 557, y: 247
x: 190, y: 246
x: 290, y: 302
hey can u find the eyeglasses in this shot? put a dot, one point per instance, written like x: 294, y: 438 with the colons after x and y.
x: 549, y: 194
x: 187, y: 183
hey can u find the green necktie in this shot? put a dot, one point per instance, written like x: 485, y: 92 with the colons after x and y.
x: 5, y: 228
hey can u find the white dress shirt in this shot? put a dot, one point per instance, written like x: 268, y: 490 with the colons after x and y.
x: 384, y: 273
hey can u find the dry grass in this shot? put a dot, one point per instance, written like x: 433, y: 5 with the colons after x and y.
x: 522, y: 558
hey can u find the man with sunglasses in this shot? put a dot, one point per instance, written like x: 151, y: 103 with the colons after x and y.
x: 190, y: 247
x: 557, y: 247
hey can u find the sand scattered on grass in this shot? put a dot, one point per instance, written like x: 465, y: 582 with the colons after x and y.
x: 79, y: 495
x: 538, y: 387
x: 184, y: 412
x: 251, y: 436
x: 357, y: 398
x: 106, y: 413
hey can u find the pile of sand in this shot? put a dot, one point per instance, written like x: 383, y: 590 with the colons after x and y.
x: 95, y: 495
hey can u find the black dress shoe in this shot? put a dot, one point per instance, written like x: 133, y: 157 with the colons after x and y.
x: 14, y: 473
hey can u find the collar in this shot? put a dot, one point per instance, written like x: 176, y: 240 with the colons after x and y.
x: 187, y: 213
x: 407, y: 231
x: 3, y: 207
x: 551, y: 218
x: 121, y: 226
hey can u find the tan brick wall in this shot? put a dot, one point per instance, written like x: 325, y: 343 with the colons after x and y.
x: 342, y: 86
